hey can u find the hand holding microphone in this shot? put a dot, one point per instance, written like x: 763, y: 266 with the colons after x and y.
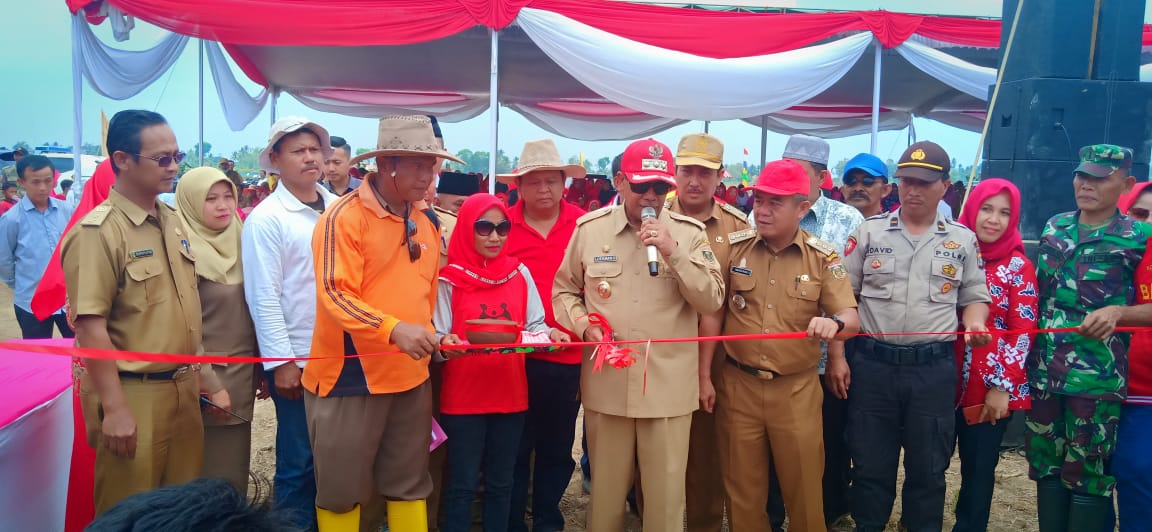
x: 657, y: 239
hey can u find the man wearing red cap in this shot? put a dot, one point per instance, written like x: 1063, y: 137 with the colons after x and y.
x: 768, y: 400
x: 640, y: 413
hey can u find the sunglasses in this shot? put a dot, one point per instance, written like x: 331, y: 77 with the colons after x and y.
x: 1138, y: 213
x: 660, y: 187
x: 867, y: 180
x: 165, y: 160
x: 485, y: 228
x: 413, y: 246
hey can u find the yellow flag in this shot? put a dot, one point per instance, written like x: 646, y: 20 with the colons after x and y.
x: 103, y: 133
x: 581, y: 158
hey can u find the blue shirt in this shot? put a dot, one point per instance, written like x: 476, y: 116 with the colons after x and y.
x: 27, y: 239
x: 833, y: 222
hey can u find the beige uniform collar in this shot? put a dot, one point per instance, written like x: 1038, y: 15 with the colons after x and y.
x: 135, y: 214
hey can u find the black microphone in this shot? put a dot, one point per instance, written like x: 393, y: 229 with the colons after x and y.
x: 648, y: 213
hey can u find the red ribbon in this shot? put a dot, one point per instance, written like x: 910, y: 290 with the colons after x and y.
x: 111, y: 354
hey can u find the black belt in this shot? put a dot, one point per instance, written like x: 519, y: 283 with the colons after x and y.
x: 903, y: 355
x: 158, y: 376
x: 765, y: 374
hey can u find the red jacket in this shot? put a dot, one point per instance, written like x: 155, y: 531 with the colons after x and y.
x: 1140, y: 350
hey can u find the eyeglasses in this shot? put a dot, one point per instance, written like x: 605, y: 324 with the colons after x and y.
x: 413, y: 246
x: 867, y: 180
x: 660, y: 187
x: 1138, y: 213
x: 485, y: 227
x: 165, y: 160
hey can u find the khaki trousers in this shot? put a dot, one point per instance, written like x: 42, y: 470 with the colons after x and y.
x: 776, y: 420
x: 660, y: 445
x: 227, y: 454
x: 705, y: 497
x: 169, y: 438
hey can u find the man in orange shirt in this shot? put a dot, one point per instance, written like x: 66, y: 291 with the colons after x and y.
x: 377, y: 254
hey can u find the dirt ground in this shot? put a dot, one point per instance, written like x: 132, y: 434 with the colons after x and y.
x: 1013, y: 508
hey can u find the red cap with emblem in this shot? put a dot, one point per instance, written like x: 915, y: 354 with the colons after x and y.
x: 783, y: 178
x: 646, y: 161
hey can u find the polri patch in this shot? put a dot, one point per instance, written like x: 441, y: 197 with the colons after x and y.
x: 605, y: 258
x: 141, y: 253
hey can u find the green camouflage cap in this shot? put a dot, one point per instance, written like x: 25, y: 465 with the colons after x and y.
x: 1100, y: 160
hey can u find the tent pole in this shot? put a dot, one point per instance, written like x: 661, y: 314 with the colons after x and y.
x: 706, y: 124
x: 494, y: 108
x: 876, y: 96
x: 200, y: 147
x: 77, y: 108
x: 763, y: 141
x: 275, y: 98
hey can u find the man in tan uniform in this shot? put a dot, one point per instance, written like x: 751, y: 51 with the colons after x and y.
x: 699, y: 163
x: 641, y: 413
x: 768, y: 401
x: 132, y: 286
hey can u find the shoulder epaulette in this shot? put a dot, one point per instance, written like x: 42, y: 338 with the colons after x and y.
x: 96, y: 217
x: 668, y: 202
x: 734, y: 211
x: 739, y: 236
x: 440, y: 211
x: 589, y: 216
x: 821, y: 246
x: 682, y: 218
x: 881, y: 216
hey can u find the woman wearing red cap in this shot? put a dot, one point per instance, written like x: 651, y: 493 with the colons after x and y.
x: 993, y: 381
x: 485, y: 395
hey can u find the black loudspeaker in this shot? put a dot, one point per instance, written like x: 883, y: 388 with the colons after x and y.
x: 1056, y: 40
x: 1039, y: 125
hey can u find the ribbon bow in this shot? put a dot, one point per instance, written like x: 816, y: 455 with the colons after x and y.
x: 612, y: 353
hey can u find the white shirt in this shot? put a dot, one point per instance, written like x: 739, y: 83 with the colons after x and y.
x: 279, y: 277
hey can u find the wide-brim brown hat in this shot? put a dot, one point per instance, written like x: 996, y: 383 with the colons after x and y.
x: 406, y: 136
x: 541, y: 155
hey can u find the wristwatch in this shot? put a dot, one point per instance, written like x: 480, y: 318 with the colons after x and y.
x: 839, y: 322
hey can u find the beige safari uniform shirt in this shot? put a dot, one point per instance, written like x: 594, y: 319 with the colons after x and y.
x: 913, y: 284
x: 447, y: 224
x: 781, y: 292
x: 135, y: 269
x: 605, y: 271
x: 726, y: 227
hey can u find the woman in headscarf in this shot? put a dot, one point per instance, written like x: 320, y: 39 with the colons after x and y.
x: 1131, y: 462
x: 485, y: 395
x: 206, y: 204
x: 993, y: 381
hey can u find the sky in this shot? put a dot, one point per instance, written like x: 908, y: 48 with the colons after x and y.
x: 37, y: 106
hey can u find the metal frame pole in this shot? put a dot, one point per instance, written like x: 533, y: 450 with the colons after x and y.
x: 200, y: 149
x: 876, y: 73
x: 494, y: 108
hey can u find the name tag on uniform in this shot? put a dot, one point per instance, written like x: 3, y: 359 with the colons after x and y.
x: 605, y: 258
x: 742, y: 271
x: 1098, y: 258
x: 141, y: 253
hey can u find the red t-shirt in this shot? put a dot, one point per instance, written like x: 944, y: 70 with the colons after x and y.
x: 1012, y: 285
x: 543, y: 255
x: 1140, y: 350
x: 486, y: 383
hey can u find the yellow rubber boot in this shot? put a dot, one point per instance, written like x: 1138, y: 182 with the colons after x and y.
x: 407, y: 516
x: 329, y: 521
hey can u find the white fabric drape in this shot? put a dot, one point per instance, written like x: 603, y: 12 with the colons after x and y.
x: 674, y: 84
x: 581, y: 127
x: 455, y: 111
x: 240, y: 109
x: 830, y: 127
x: 961, y: 75
x: 122, y: 74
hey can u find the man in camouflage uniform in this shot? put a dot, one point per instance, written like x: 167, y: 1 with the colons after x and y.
x: 1085, y: 271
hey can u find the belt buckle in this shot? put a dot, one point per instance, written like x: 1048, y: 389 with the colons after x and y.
x: 184, y: 369
x: 764, y: 374
x: 906, y: 356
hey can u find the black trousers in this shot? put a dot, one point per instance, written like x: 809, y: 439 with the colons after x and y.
x: 979, y: 447
x: 837, y: 466
x: 909, y: 405
x: 32, y: 328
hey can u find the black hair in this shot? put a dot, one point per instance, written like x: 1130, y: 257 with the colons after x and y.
x: 202, y: 505
x: 124, y: 132
x: 276, y: 146
x: 339, y: 142
x: 8, y: 186
x: 33, y: 162
x: 818, y: 167
x: 617, y: 162
x: 65, y: 183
